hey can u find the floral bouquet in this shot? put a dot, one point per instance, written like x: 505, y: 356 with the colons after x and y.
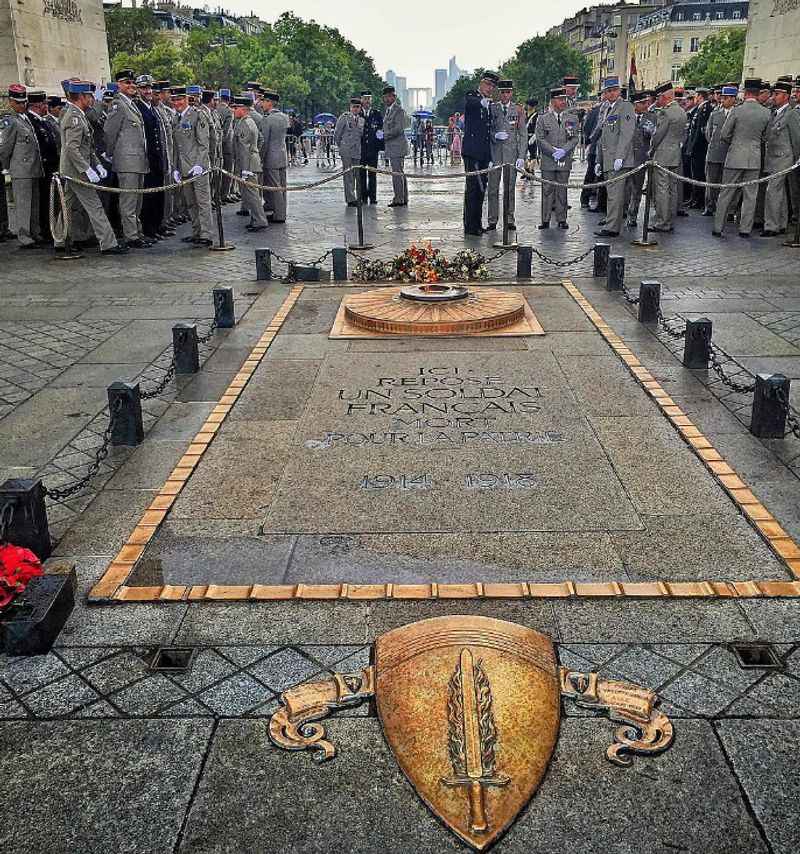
x: 17, y: 567
x: 423, y: 264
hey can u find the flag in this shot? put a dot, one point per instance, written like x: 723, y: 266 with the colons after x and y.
x: 633, y: 75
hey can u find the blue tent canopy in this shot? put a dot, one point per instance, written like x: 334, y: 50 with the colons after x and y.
x: 324, y: 117
x: 423, y: 114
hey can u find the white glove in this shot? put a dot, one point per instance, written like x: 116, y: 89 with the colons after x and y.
x: 598, y: 169
x: 520, y: 164
x: 490, y: 165
x: 485, y: 102
x: 246, y: 174
x: 177, y: 176
x: 197, y: 169
x: 501, y: 135
x: 618, y: 164
x: 559, y: 154
x: 93, y: 177
x: 101, y: 171
x: 105, y: 157
x: 379, y: 134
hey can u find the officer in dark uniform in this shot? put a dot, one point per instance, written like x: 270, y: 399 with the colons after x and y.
x: 697, y: 146
x: 371, y: 144
x: 48, y: 140
x: 533, y: 114
x: 476, y: 149
x: 153, y: 203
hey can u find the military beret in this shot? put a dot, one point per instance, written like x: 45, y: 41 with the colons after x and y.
x: 558, y: 92
x: 491, y: 77
x: 505, y: 85
x: 388, y: 90
x: 16, y: 92
x: 752, y: 84
x: 125, y: 74
x: 570, y: 81
x: 243, y: 101
x: 270, y: 95
x: 177, y: 91
x: 355, y: 102
x: 664, y: 87
x: 37, y: 96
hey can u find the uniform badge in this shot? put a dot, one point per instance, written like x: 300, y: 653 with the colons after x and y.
x: 470, y: 707
x: 75, y: 121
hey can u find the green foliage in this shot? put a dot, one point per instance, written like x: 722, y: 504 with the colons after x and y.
x: 130, y: 31
x: 720, y: 58
x: 163, y: 61
x: 453, y: 101
x: 540, y: 63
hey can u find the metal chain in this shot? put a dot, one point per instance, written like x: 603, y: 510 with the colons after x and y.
x: 792, y: 421
x: 673, y: 333
x: 203, y: 339
x: 716, y: 366
x: 501, y: 254
x: 6, y: 518
x: 629, y: 297
x: 165, y: 381
x: 566, y: 263
x: 100, y: 454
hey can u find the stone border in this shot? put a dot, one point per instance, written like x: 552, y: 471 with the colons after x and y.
x: 112, y: 587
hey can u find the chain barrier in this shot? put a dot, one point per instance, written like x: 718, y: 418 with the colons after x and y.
x: 567, y: 263
x: 672, y: 332
x: 792, y: 420
x: 141, y: 191
x: 6, y: 518
x: 629, y: 297
x: 165, y: 381
x: 716, y: 366
x: 287, y: 189
x: 204, y: 339
x: 623, y: 176
x: 291, y: 266
x: 59, y: 234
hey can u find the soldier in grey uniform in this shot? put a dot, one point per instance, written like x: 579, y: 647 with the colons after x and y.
x: 643, y: 131
x: 395, y: 144
x: 257, y: 115
x: 782, y: 152
x: 275, y: 160
x: 127, y: 149
x: 616, y: 153
x: 20, y: 155
x: 192, y: 158
x: 743, y: 132
x: 556, y: 143
x: 509, y: 145
x: 717, y: 149
x: 665, y: 149
x: 226, y: 116
x: 247, y: 160
x: 79, y: 160
x: 347, y: 134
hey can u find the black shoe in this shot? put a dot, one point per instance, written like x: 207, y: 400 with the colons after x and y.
x: 29, y: 246
x: 352, y: 204
x: 474, y: 233
x: 631, y: 223
x: 543, y: 226
x: 203, y: 241
x: 115, y: 250
x: 139, y: 244
x: 491, y: 227
x: 605, y: 232
x: 662, y: 230
x: 395, y: 204
x: 563, y: 225
x: 189, y: 239
x: 744, y: 234
x: 766, y: 233
x: 717, y: 234
x: 682, y: 212
x: 256, y: 227
x: 242, y: 213
x: 601, y: 221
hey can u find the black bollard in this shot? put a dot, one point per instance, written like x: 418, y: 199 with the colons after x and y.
x: 524, y: 262
x: 216, y: 188
x: 224, y: 315
x: 616, y: 273
x: 768, y: 418
x: 263, y: 265
x: 339, y: 264
x: 185, y: 349
x: 649, y: 301
x: 601, y: 255
x: 697, y: 343
x: 28, y: 524
x: 125, y: 408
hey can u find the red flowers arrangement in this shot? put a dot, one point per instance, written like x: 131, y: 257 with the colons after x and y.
x: 17, y: 567
x: 423, y: 264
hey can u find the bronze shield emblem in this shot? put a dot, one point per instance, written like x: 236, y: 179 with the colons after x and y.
x: 471, y: 711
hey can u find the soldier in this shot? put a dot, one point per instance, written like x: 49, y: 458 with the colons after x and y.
x: 79, y: 160
x: 530, y: 128
x: 743, y: 132
x: 19, y: 154
x: 257, y: 115
x: 665, y: 149
x: 717, y: 149
x: 164, y: 109
x: 556, y: 144
x: 226, y: 115
x: 697, y: 145
x: 476, y: 149
x: 395, y: 145
x: 347, y: 134
x: 192, y: 158
x: 152, y: 209
x: 509, y: 145
x: 371, y: 146
x: 570, y: 84
x: 275, y: 160
x: 247, y: 160
x: 642, y: 133
x: 782, y: 152
x: 47, y: 138
x: 54, y: 106
x: 616, y: 152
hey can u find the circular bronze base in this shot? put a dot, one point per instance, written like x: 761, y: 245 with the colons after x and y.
x: 382, y: 310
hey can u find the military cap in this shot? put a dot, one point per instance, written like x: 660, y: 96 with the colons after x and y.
x: 491, y: 77
x: 208, y: 95
x: 780, y: 86
x: 388, y: 90
x: 766, y: 86
x: 144, y: 80
x: 54, y: 102
x: 224, y: 94
x: 355, y: 102
x: 177, y: 91
x: 729, y: 91
x: 505, y: 85
x: 752, y: 84
x: 271, y: 95
x: 785, y: 78
x: 194, y: 89
x: 65, y: 86
x: 243, y: 100
x: 81, y: 87
x: 611, y: 83
x: 663, y: 87
x: 16, y: 92
x: 157, y: 87
x: 37, y: 96
x: 638, y: 97
x: 254, y: 86
x: 125, y: 74
x: 532, y: 102
x: 569, y: 81
x: 366, y: 94
x: 702, y: 90
x: 558, y: 92
x: 164, y: 84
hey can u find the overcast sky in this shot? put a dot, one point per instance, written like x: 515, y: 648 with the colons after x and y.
x: 416, y: 36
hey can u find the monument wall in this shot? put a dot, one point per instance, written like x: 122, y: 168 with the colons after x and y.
x: 773, y: 38
x: 44, y: 41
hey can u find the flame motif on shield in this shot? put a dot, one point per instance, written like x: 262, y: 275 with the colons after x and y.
x: 470, y: 708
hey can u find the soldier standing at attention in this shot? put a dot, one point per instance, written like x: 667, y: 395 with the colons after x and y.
x: 371, y: 145
x: 19, y: 154
x: 193, y: 158
x: 556, y: 144
x: 395, y: 144
x: 152, y: 211
x: 276, y: 159
x: 226, y: 115
x: 616, y: 151
x: 643, y: 130
x: 782, y: 151
x: 532, y: 117
x: 127, y: 149
x: 665, y: 149
x: 54, y: 105
x: 247, y: 160
x: 476, y: 149
x: 698, y: 144
x: 48, y: 139
x: 509, y: 145
x: 79, y: 160
x: 743, y: 132
x: 347, y: 134
x: 717, y: 149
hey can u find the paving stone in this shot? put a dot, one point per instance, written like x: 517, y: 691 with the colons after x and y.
x: 775, y: 620
x: 235, y: 695
x: 182, y: 421
x: 642, y: 667
x: 701, y: 695
x: 740, y: 335
x: 284, y: 669
x: 61, y: 698
x: 139, y: 341
x: 116, y: 672
x: 278, y: 391
x: 149, y: 465
x: 245, y: 655
x: 207, y: 667
x: 143, y: 771
x: 435, y: 345
x: 778, y: 693
x: 721, y: 665
x: 25, y: 673
x: 206, y: 386
x: 147, y: 696
x: 97, y: 376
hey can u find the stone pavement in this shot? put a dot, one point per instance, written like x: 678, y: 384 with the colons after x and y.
x: 101, y: 752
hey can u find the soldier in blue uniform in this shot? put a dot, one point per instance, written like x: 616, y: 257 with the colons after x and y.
x: 476, y: 149
x: 371, y: 145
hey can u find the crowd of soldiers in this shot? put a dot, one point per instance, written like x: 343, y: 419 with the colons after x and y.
x: 156, y: 146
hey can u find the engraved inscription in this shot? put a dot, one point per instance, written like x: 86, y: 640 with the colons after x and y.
x: 65, y: 10
x: 507, y: 480
x: 400, y: 481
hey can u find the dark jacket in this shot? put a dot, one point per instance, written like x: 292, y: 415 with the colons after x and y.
x: 152, y: 134
x: 590, y: 123
x: 370, y: 144
x: 477, y: 128
x: 48, y: 143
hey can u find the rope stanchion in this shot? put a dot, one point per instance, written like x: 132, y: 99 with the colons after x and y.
x: 360, y: 211
x: 794, y: 243
x: 507, y: 191
x: 61, y: 235
x: 645, y: 240
x: 294, y: 188
x: 221, y: 246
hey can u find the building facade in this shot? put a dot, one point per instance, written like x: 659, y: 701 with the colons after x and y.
x: 773, y: 36
x: 43, y: 43
x: 665, y: 40
x: 440, y: 87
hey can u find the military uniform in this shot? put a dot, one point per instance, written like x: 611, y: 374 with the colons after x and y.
x: 395, y: 146
x: 476, y: 152
x: 508, y: 120
x: 555, y: 131
x: 19, y: 154
x: 642, y: 132
x: 697, y: 150
x: 167, y: 116
x: 665, y: 149
x: 347, y: 134
x: 191, y: 133
x: 616, y: 150
x: 247, y: 159
x: 715, y: 155
x: 782, y: 151
x: 275, y: 160
x: 225, y: 114
x: 49, y: 154
x: 743, y: 132
x: 371, y: 146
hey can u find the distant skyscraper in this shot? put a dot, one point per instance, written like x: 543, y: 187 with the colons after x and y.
x: 391, y: 78
x: 401, y: 85
x: 453, y: 73
x: 440, y: 87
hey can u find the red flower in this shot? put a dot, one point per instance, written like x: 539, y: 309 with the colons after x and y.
x: 17, y: 567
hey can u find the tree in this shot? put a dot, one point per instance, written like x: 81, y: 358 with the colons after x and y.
x: 720, y: 59
x: 540, y: 63
x: 130, y: 30
x: 163, y: 61
x: 453, y: 101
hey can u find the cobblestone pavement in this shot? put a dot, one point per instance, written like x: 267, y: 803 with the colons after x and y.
x: 162, y: 762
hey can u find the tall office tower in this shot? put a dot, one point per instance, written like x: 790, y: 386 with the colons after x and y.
x: 440, y: 87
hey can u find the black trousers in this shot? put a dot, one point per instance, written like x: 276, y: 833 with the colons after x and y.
x: 152, y: 205
x: 44, y: 207
x: 369, y: 180
x: 474, y: 191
